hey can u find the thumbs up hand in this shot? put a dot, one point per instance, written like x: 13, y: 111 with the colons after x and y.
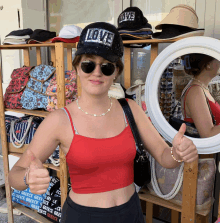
x: 38, y: 177
x: 184, y: 148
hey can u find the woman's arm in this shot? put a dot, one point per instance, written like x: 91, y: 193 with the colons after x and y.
x: 156, y: 145
x: 44, y: 142
x: 199, y: 112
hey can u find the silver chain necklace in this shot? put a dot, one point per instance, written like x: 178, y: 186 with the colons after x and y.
x: 95, y: 115
x: 200, y: 83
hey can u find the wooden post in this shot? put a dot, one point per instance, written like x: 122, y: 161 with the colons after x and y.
x: 5, y: 154
x: 69, y: 59
x: 52, y: 56
x: 127, y: 67
x: 59, y: 52
x: 189, y: 192
x: 202, y: 219
x: 154, y: 52
x: 38, y: 52
x: 174, y: 216
x: 26, y: 57
x: 149, y: 212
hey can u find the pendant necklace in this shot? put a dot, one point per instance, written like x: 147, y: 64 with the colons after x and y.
x: 95, y: 115
x: 201, y: 83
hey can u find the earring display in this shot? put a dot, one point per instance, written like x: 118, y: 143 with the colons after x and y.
x: 172, y: 82
x: 166, y: 99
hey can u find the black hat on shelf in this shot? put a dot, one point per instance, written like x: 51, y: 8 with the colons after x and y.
x: 101, y: 39
x: 176, y: 31
x: 132, y: 19
x: 135, y: 36
x: 21, y: 32
x: 42, y: 35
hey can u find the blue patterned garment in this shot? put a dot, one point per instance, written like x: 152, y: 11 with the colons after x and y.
x: 34, y: 94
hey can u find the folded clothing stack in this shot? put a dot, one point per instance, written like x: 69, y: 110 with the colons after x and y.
x: 18, y: 36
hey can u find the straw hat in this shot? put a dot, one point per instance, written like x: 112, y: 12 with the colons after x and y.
x: 131, y: 90
x: 183, y: 15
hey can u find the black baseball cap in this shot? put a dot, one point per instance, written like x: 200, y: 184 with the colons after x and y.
x: 132, y: 18
x: 21, y: 32
x: 42, y: 35
x: 101, y: 39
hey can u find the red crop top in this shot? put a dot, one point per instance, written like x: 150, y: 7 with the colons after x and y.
x: 99, y: 165
x: 215, y: 108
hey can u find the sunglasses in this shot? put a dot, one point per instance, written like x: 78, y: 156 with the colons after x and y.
x: 89, y: 66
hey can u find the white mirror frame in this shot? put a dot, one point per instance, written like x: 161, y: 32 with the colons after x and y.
x: 199, y: 44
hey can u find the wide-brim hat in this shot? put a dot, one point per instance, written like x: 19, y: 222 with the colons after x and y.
x: 101, y: 39
x: 175, y: 31
x: 137, y: 83
x: 183, y: 15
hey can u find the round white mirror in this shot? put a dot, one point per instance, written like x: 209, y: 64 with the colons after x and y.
x: 200, y: 44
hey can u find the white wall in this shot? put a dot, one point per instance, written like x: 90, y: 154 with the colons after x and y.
x: 32, y: 15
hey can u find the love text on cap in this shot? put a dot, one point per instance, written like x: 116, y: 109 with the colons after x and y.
x: 102, y: 36
x: 126, y: 16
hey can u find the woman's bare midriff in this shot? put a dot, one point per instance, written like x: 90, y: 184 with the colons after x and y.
x: 105, y: 199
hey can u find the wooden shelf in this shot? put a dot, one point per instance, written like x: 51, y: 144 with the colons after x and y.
x: 145, y: 195
x: 31, y: 213
x: 151, y: 41
x: 29, y: 112
x: 57, y: 52
x: 23, y: 46
x: 47, y: 165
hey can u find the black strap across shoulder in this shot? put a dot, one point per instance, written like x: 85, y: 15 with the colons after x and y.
x: 132, y: 123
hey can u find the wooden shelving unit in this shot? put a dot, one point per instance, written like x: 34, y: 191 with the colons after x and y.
x: 57, y: 57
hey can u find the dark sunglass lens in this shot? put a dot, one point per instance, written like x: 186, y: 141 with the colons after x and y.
x: 108, y: 69
x: 87, y: 66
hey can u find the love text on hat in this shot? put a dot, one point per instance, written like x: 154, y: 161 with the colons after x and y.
x: 102, y: 36
x: 126, y: 16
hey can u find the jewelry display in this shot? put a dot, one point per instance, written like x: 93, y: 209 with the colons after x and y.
x: 95, y: 115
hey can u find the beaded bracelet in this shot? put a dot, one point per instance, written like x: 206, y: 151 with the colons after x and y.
x: 25, y: 177
x: 179, y: 161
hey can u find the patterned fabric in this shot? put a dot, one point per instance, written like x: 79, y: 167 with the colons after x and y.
x: 34, y: 95
x: 21, y: 126
x: 70, y: 90
x: 14, y: 91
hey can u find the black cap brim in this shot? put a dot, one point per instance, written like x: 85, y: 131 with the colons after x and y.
x: 102, y: 52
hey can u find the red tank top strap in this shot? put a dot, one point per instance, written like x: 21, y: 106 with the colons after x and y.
x: 71, y: 121
x: 184, y: 99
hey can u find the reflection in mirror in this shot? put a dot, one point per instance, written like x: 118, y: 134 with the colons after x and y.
x: 189, y: 90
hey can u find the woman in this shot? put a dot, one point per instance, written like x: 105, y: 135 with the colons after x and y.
x: 98, y: 143
x: 195, y: 109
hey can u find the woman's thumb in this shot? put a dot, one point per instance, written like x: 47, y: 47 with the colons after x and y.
x: 35, y: 163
